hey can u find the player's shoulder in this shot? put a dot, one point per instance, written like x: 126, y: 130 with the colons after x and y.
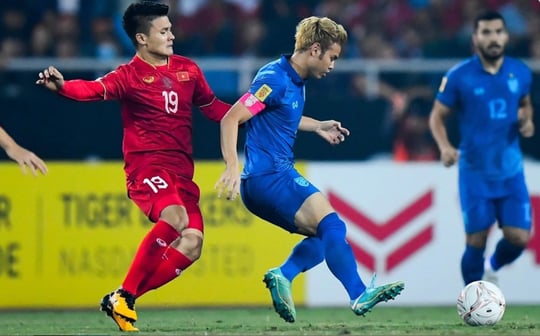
x: 271, y: 72
x: 178, y: 61
x: 462, y: 67
x: 124, y: 67
x: 121, y: 71
x: 513, y: 60
x: 517, y: 63
x: 270, y: 68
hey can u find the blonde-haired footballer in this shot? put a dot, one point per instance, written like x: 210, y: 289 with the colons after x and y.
x: 272, y: 188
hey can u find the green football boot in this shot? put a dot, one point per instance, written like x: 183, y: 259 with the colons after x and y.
x: 374, y: 295
x: 280, y: 290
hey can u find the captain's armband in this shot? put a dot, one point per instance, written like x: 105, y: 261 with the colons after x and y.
x: 251, y: 102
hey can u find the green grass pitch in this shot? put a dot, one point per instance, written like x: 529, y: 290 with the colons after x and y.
x: 384, y: 320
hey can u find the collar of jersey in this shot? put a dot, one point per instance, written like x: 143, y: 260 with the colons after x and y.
x: 284, y: 63
x: 139, y: 63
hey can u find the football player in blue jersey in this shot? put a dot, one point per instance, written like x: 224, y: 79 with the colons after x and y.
x: 271, y: 187
x: 490, y: 93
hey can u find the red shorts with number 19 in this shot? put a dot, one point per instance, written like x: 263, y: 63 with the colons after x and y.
x: 153, y: 189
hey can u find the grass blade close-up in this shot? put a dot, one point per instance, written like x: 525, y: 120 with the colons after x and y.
x: 518, y: 320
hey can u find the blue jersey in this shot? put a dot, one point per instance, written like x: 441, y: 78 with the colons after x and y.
x: 270, y: 134
x: 488, y: 107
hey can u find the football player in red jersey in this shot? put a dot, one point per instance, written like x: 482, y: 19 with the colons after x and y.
x: 157, y: 91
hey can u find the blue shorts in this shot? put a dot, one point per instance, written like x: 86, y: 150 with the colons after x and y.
x: 484, y: 202
x: 277, y: 197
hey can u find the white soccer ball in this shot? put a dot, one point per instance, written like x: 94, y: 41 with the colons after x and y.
x: 481, y: 303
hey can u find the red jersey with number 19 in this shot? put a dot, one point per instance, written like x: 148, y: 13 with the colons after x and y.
x: 156, y: 104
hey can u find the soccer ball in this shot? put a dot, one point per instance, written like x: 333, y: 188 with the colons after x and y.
x: 481, y: 303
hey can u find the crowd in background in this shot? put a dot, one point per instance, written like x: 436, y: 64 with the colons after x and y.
x: 377, y: 28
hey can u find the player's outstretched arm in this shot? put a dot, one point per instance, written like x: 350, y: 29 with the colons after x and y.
x: 77, y: 89
x: 22, y: 156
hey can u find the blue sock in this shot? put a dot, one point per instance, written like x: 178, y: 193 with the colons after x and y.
x: 305, y: 255
x: 338, y: 254
x: 472, y: 264
x: 505, y: 253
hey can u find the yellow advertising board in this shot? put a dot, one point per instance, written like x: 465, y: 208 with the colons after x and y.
x: 68, y: 238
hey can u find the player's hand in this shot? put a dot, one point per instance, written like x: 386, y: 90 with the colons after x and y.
x: 51, y: 78
x: 332, y: 131
x: 449, y: 156
x: 526, y: 128
x: 229, y: 183
x: 27, y: 159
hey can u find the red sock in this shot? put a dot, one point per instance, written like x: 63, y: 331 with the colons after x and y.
x: 148, y: 256
x: 172, y: 264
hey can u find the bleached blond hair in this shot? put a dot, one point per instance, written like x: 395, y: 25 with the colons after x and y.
x: 315, y: 29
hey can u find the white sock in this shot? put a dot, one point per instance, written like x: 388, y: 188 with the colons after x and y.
x: 487, y: 265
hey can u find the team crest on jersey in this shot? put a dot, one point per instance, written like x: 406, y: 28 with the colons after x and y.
x: 513, y: 84
x: 148, y: 79
x: 182, y: 76
x: 167, y: 82
x: 263, y: 92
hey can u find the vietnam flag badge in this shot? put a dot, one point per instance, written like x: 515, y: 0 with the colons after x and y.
x: 182, y: 76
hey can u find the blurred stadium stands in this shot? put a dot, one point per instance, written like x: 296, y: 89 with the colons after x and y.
x: 397, y: 49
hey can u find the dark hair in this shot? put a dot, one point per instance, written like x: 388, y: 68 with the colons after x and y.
x: 488, y: 16
x: 139, y: 15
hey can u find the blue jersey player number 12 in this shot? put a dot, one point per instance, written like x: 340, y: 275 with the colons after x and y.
x: 490, y: 93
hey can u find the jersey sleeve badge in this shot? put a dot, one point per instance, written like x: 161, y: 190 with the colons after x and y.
x: 263, y: 92
x: 443, y: 84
